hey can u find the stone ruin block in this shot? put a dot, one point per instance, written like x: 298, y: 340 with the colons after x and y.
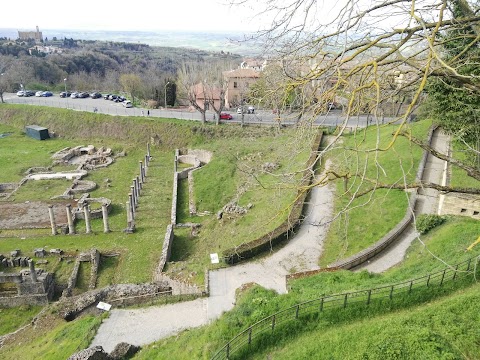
x: 56, y: 251
x: 40, y: 252
x: 14, y: 253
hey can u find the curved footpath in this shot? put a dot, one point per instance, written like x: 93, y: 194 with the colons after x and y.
x: 301, y: 253
x: 428, y: 202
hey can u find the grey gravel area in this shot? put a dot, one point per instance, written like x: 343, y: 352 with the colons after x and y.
x: 144, y: 326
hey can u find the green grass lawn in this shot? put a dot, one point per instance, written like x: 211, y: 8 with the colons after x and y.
x: 369, y: 161
x: 234, y: 174
x: 446, y: 243
x: 13, y: 318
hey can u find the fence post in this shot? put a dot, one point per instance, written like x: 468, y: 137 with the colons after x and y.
x: 273, y: 322
x: 391, y: 293
x: 410, y: 287
x: 345, y: 301
x: 428, y: 280
x: 250, y: 336
x: 228, y: 350
x: 468, y: 266
x: 443, y: 276
x: 321, y: 304
x: 455, y: 272
x: 369, y: 295
x: 296, y: 312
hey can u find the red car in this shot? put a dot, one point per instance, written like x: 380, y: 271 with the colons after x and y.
x: 225, y: 116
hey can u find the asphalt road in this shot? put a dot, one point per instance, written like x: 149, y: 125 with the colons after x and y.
x: 260, y: 117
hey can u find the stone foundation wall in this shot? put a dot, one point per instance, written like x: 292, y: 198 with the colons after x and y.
x: 461, y: 204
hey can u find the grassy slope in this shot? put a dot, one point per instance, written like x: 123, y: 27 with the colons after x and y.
x: 257, y: 303
x: 13, y: 318
x: 443, y: 329
x: 364, y: 220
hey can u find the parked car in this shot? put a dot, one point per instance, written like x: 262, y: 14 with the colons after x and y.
x: 106, y: 96
x: 240, y: 110
x: 95, y: 95
x: 21, y: 93
x: 65, y: 94
x: 225, y: 116
x: 47, y: 94
x: 29, y: 93
x: 83, y: 95
x: 251, y: 109
x: 39, y: 93
x: 127, y: 104
x: 74, y: 95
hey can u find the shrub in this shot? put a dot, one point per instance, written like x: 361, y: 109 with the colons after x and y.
x: 427, y: 222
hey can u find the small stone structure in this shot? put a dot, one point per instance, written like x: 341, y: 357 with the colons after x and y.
x: 93, y: 256
x: 196, y: 158
x: 87, y: 157
x: 461, y: 204
x: 27, y: 287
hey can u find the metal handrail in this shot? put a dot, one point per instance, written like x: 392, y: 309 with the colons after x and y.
x: 342, y: 300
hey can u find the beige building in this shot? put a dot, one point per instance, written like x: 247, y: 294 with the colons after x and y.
x: 239, y: 82
x: 27, y: 35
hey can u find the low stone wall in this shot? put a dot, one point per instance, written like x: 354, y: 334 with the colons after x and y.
x: 166, y: 249
x: 71, y: 307
x: 392, y: 235
x: 94, y: 214
x: 14, y: 301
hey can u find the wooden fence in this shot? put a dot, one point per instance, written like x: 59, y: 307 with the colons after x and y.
x: 341, y: 301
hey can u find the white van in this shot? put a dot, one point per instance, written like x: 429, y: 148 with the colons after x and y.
x: 127, y: 104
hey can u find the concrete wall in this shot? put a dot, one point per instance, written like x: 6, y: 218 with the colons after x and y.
x: 461, y: 204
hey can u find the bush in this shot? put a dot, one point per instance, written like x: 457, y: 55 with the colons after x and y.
x: 427, y: 222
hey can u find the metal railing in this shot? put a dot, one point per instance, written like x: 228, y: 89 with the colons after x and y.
x: 341, y: 301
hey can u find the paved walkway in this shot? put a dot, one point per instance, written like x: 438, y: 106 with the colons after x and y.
x: 427, y: 203
x: 144, y: 326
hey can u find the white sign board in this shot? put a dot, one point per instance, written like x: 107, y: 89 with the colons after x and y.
x: 104, y: 306
x: 214, y: 258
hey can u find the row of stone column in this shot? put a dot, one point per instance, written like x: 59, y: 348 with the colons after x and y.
x: 86, y: 212
x: 135, y: 190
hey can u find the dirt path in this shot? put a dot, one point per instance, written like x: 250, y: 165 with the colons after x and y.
x: 143, y: 326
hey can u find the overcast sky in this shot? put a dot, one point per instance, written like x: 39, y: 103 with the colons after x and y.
x: 190, y: 15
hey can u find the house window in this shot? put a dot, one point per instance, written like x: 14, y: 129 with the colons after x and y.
x: 235, y: 85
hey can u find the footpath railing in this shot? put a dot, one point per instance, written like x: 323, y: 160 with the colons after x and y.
x: 342, y: 301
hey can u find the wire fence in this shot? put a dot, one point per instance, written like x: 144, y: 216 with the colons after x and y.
x: 244, y: 339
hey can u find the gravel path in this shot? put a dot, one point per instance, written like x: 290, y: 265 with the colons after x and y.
x: 144, y: 326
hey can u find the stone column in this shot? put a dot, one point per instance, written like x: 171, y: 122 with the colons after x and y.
x: 52, y: 219
x: 86, y: 212
x: 132, y: 205
x: 142, y: 177
x: 133, y: 190
x: 139, y: 184
x: 71, y: 227
x: 106, y: 228
x: 33, y: 273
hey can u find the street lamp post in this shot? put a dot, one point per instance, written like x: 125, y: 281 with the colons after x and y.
x: 168, y: 82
